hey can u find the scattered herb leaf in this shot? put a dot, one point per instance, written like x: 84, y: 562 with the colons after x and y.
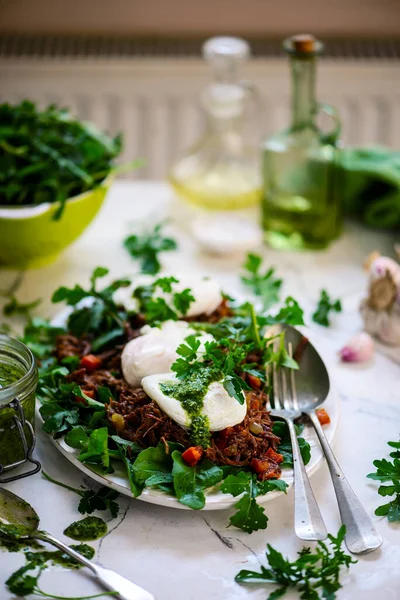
x: 314, y: 574
x: 388, y: 472
x: 324, y: 308
x: 146, y: 248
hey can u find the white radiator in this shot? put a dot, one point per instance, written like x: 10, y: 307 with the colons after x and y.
x: 154, y: 101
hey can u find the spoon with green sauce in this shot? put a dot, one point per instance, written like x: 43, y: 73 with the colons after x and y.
x: 18, y: 520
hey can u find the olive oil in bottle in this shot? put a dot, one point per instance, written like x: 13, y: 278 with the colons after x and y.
x: 301, y: 207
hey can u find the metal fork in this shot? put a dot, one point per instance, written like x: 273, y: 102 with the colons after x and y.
x: 308, y: 521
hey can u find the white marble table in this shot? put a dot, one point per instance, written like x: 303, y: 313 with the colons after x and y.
x: 178, y: 555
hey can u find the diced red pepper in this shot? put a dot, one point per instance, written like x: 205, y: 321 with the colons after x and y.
x: 90, y: 362
x: 275, y: 456
x: 192, y: 455
x: 254, y: 382
x: 222, y: 438
x: 90, y: 393
x: 323, y: 416
x: 260, y: 465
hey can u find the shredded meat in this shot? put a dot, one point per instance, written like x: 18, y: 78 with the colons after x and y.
x: 69, y: 345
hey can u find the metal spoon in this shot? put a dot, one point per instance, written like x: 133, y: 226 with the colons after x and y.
x: 312, y: 385
x: 15, y: 511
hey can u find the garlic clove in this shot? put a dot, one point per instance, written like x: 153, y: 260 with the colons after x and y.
x: 360, y: 348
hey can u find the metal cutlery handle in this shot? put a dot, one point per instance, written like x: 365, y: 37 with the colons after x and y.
x: 126, y: 590
x: 308, y: 522
x: 361, y: 536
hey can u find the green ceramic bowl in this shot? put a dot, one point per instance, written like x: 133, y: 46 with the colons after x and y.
x: 30, y: 237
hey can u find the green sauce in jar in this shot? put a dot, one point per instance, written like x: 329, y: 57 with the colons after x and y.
x: 18, y: 380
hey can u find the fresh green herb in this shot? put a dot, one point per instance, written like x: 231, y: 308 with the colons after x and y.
x: 224, y: 357
x: 102, y: 499
x: 190, y: 482
x: 314, y: 575
x: 265, y: 284
x: 249, y: 515
x: 48, y: 156
x: 13, y: 307
x: 389, y: 472
x: 87, y: 529
x: 280, y: 429
x: 324, y: 308
x: 146, y: 248
x: 40, y: 337
x: 102, y: 318
x: 157, y: 309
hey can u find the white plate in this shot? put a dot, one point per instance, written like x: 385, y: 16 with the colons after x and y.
x: 215, y: 499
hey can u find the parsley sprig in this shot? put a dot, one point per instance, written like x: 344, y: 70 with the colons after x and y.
x: 101, y: 318
x: 102, y: 499
x: 264, y: 285
x: 314, y: 574
x: 388, y: 472
x: 225, y: 357
x: 148, y: 246
x: 156, y: 308
x: 324, y: 308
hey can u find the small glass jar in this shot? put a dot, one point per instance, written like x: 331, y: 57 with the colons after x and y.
x: 18, y: 381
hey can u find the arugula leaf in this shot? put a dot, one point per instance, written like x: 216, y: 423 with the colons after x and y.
x: 190, y: 482
x: 148, y: 246
x: 249, y: 515
x: 314, y: 574
x: 389, y: 472
x: 49, y: 156
x: 324, y: 308
x: 263, y: 285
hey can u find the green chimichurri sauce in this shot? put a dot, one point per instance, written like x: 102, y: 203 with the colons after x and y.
x: 87, y: 529
x: 11, y: 447
x: 8, y: 375
x: 190, y: 393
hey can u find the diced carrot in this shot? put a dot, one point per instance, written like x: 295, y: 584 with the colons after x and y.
x: 90, y: 362
x: 90, y: 393
x: 253, y: 381
x: 323, y: 416
x: 192, y: 455
x: 260, y: 465
x: 278, y: 458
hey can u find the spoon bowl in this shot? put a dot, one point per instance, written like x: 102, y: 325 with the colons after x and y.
x: 17, y: 515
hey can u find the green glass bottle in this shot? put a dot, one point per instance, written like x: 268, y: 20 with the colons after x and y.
x: 301, y: 203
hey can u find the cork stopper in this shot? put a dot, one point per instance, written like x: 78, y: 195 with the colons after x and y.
x: 303, y: 45
x: 304, y: 42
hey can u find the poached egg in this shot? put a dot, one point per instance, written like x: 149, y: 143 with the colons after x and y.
x: 206, y: 292
x: 155, y: 350
x: 218, y: 406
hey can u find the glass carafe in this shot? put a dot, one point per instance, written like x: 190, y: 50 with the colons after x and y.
x: 220, y: 174
x: 301, y: 207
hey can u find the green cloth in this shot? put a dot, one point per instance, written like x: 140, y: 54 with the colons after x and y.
x: 370, y: 185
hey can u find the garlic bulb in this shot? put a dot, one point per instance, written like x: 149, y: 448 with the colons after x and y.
x: 360, y: 348
x: 381, y: 309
